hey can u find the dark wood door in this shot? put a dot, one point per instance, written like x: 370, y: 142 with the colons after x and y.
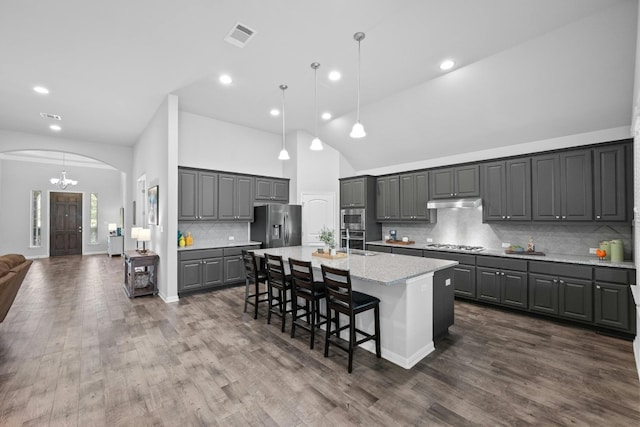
x: 514, y: 289
x: 187, y: 195
x: 575, y: 299
x: 610, y: 191
x: 612, y: 305
x: 488, y: 284
x: 543, y: 293
x: 65, y: 236
x: 518, y: 189
x: 208, y: 195
x: 545, y: 187
x: 467, y: 181
x: 576, y: 188
x: 464, y: 280
x: 493, y: 191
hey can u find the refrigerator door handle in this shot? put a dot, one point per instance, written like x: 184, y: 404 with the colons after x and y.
x: 286, y: 230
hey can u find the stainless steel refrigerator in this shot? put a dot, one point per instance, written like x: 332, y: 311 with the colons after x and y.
x: 277, y: 225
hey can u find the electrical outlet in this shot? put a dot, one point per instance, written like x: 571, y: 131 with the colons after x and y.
x: 232, y: 238
x: 429, y: 240
x: 592, y: 250
x: 505, y: 245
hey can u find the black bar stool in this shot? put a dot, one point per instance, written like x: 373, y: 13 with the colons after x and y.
x: 342, y: 299
x: 304, y: 287
x: 253, y: 276
x: 279, y: 281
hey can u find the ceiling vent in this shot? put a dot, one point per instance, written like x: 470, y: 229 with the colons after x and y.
x: 50, y: 116
x: 239, y: 35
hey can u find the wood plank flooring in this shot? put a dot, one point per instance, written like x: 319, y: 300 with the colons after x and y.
x: 74, y: 350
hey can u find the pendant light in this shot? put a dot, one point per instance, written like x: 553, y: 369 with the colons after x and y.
x: 316, y: 144
x: 358, y: 130
x: 284, y: 155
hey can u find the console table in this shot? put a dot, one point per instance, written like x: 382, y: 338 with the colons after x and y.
x: 140, y: 273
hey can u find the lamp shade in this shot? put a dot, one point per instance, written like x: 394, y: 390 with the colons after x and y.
x: 357, y: 131
x: 134, y: 232
x: 144, y: 235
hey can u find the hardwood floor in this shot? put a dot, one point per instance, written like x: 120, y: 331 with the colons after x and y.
x: 74, y: 350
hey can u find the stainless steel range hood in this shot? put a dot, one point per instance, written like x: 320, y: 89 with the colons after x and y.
x: 454, y: 203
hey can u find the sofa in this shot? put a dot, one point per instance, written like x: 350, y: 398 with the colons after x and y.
x: 13, y: 269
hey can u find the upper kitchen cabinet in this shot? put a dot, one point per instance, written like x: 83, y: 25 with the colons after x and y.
x: 561, y: 187
x: 353, y: 193
x: 198, y: 195
x: 388, y: 198
x: 610, y: 188
x: 235, y: 197
x: 272, y: 190
x: 506, y: 190
x: 460, y: 181
x: 414, y: 194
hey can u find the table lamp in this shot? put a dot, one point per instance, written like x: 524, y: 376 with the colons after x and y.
x: 134, y: 234
x: 144, y: 235
x: 112, y: 229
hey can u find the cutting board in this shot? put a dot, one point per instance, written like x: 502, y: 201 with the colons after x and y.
x: 329, y: 256
x: 400, y: 242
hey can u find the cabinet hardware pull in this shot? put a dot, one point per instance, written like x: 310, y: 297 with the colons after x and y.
x: 597, y: 286
x: 557, y: 216
x: 564, y: 217
x: 497, y: 272
x: 597, y: 216
x: 508, y: 217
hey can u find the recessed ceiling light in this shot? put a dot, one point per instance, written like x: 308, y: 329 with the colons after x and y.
x: 447, y: 64
x: 326, y: 116
x: 274, y: 112
x: 41, y: 89
x: 55, y: 127
x: 225, y: 79
x: 334, y: 76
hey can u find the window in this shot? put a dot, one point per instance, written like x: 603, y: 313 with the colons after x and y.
x: 36, y: 212
x: 93, y: 226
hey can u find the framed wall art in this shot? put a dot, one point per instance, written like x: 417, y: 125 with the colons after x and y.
x: 152, y: 197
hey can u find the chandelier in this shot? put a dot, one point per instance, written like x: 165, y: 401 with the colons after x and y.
x: 62, y: 181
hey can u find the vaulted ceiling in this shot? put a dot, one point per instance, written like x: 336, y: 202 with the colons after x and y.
x: 525, y: 70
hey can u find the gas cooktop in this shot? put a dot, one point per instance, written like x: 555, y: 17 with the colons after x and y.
x: 450, y: 246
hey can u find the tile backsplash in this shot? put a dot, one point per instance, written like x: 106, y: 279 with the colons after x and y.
x: 465, y: 227
x: 215, y: 231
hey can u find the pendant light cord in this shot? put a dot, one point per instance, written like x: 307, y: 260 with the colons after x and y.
x: 283, y: 87
x: 358, y: 112
x: 315, y: 97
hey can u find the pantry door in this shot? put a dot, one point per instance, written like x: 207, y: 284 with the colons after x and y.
x: 65, y: 229
x: 318, y: 210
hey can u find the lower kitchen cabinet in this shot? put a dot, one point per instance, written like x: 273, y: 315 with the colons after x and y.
x: 502, y: 286
x: 200, y: 269
x: 612, y: 305
x: 208, y: 269
x: 575, y: 299
x: 379, y: 248
x: 543, y: 294
x: 406, y: 251
x: 464, y: 274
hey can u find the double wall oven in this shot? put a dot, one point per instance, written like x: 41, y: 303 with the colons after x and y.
x: 352, y: 221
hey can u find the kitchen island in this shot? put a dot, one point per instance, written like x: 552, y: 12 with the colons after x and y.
x: 405, y: 287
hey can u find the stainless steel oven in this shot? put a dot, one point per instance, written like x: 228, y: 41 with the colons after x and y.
x: 356, y: 239
x: 353, y: 219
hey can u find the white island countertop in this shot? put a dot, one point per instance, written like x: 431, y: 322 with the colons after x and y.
x: 387, y: 269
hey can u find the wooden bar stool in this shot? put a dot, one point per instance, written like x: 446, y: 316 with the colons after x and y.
x: 342, y: 299
x: 277, y: 280
x: 253, y: 276
x: 312, y: 292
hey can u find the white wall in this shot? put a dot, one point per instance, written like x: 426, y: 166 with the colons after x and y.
x: 155, y: 155
x: 19, y: 178
x: 213, y: 144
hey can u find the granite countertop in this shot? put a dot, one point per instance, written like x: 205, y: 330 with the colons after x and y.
x: 386, y: 269
x: 572, y: 259
x: 215, y: 244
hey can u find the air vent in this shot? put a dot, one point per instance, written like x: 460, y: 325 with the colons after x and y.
x: 239, y: 35
x: 50, y: 116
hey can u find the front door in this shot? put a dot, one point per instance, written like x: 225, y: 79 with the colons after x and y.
x: 66, y: 224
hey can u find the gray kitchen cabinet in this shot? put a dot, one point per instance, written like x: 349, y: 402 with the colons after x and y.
x: 575, y: 299
x: 272, y: 190
x: 379, y: 248
x: 610, y: 183
x: 562, y: 186
x: 459, y: 181
x: 353, y: 193
x: 414, y: 194
x: 502, y: 281
x: 197, y: 195
x: 464, y: 274
x: 613, y: 302
x: 506, y: 190
x: 443, y: 305
x: 388, y: 198
x: 199, y: 269
x: 406, y: 251
x: 561, y: 289
x: 235, y: 197
x: 234, y: 265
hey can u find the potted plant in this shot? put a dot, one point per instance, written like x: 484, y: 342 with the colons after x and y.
x: 327, y: 236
